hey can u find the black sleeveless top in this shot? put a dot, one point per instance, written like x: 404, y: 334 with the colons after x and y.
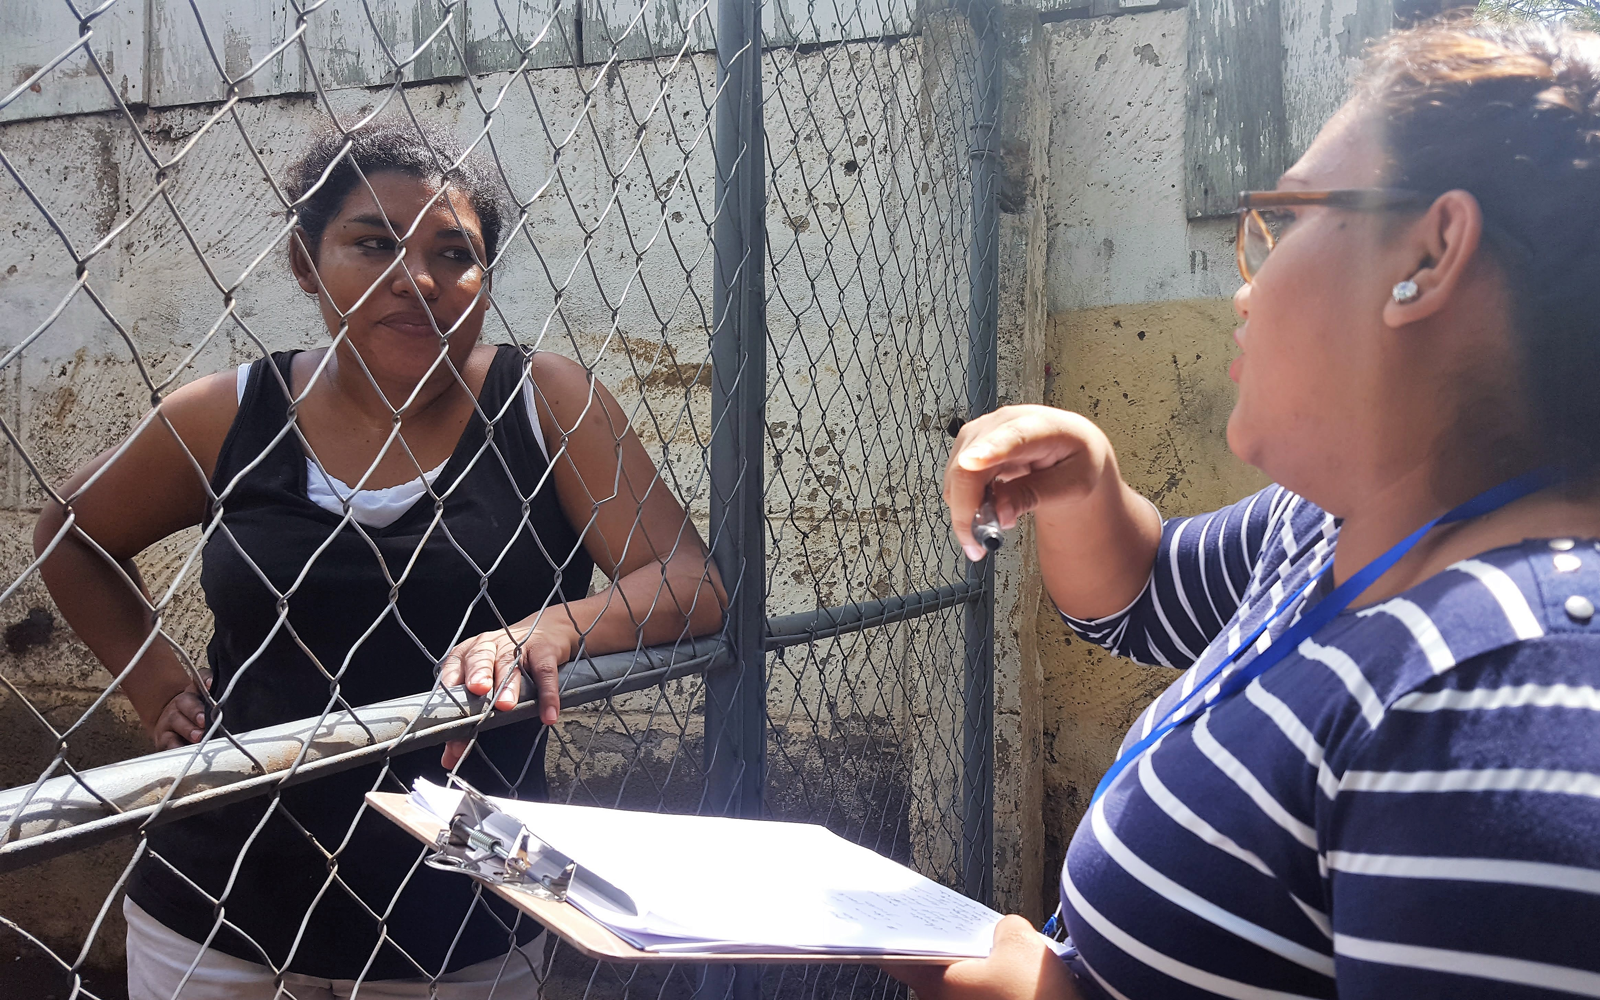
x: 339, y: 620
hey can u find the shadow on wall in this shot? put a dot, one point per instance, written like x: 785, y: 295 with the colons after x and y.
x: 1154, y: 376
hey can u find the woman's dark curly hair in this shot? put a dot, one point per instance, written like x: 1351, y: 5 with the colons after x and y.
x: 423, y: 150
x: 1511, y: 114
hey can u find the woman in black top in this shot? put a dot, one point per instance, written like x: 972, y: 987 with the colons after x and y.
x: 488, y: 569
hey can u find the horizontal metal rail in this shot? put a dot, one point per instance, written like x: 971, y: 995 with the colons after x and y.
x: 792, y: 630
x: 62, y: 815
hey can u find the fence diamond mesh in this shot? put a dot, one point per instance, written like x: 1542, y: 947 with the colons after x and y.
x: 739, y: 279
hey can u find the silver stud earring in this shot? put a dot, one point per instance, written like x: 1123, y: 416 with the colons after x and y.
x: 1405, y: 291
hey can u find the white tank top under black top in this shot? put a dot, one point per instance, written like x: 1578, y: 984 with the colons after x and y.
x: 378, y: 508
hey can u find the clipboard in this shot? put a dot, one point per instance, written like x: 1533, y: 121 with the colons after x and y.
x: 592, y: 938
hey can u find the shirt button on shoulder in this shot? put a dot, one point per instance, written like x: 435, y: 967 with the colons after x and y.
x: 1579, y: 608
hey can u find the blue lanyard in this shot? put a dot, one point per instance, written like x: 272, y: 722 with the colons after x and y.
x: 1317, y: 616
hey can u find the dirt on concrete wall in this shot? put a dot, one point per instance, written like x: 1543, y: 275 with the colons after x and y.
x: 1154, y: 377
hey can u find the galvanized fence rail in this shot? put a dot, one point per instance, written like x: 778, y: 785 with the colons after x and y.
x: 768, y: 227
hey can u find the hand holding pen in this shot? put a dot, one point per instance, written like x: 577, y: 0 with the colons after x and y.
x: 1015, y: 460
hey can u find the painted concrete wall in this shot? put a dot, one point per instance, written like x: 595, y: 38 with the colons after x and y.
x: 1141, y: 320
x: 1153, y: 375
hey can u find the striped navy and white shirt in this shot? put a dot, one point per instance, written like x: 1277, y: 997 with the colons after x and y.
x: 1408, y: 805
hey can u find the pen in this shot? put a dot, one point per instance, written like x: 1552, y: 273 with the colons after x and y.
x: 986, y: 524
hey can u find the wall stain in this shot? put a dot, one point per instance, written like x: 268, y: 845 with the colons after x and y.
x: 108, y: 206
x: 33, y: 630
x: 667, y: 374
x: 59, y: 402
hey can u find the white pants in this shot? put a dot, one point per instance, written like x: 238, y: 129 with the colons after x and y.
x: 158, y: 957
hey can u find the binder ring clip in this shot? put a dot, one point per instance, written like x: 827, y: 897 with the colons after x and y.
x: 484, y: 843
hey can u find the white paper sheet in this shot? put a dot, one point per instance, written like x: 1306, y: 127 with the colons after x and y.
x: 709, y: 884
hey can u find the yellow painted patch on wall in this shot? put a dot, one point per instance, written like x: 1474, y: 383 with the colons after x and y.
x: 1154, y: 376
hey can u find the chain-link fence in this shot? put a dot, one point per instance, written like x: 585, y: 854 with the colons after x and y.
x: 746, y: 271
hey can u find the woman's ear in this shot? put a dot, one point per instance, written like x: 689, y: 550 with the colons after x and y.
x: 1444, y: 244
x: 300, y: 262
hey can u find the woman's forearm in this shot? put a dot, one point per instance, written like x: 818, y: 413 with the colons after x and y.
x: 657, y: 603
x: 1096, y: 555
x: 113, y: 619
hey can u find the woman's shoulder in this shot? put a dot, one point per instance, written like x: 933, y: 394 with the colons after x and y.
x: 1294, y: 518
x: 1488, y: 715
x: 557, y: 376
x: 207, y: 396
x: 1537, y: 588
x: 201, y: 413
x: 1276, y: 513
x: 1283, y: 535
x: 568, y: 391
x: 1511, y: 628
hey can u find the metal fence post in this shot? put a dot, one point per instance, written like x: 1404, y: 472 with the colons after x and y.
x: 736, y: 697
x: 977, y: 821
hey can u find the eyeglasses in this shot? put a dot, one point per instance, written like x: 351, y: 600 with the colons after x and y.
x: 1262, y: 219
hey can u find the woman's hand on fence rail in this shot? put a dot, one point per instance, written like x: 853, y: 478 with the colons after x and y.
x: 181, y: 722
x: 496, y: 661
x: 1021, y: 967
x: 1097, y: 537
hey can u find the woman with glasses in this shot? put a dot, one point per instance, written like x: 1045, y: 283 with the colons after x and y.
x: 1379, y: 775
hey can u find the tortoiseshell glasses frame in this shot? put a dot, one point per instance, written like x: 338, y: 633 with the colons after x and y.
x: 1258, y: 234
